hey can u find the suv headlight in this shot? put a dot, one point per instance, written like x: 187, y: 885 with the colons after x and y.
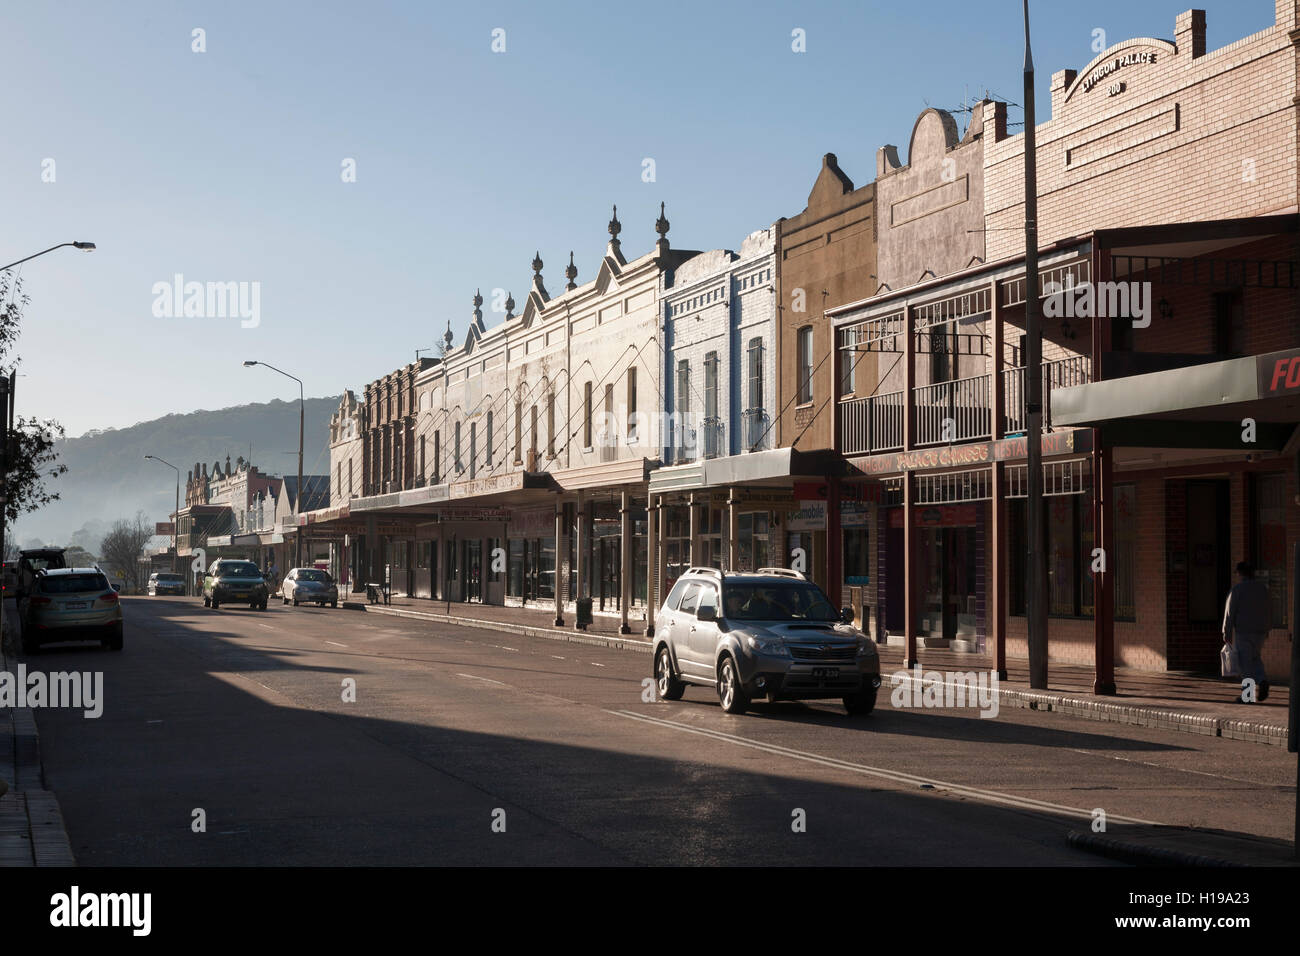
x: 772, y: 646
x: 866, y: 647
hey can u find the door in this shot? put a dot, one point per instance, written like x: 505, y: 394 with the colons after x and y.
x: 679, y: 631
x: 703, y: 635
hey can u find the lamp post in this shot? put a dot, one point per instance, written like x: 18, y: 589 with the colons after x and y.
x: 85, y: 246
x: 176, y: 515
x: 297, y: 534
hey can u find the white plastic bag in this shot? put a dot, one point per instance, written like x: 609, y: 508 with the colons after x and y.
x: 1229, y: 661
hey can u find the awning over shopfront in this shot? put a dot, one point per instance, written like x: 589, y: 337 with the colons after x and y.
x: 1201, y: 406
x: 775, y: 467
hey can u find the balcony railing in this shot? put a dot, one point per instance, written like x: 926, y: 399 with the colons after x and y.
x: 952, y: 411
x: 1062, y: 373
x: 956, y: 411
x: 756, y: 429
x: 714, y: 438
x: 872, y: 424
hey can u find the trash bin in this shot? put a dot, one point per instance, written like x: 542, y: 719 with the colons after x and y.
x: 582, y: 608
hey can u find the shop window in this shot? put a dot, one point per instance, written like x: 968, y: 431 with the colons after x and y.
x: 1268, y: 526
x: 753, y: 527
x: 493, y: 562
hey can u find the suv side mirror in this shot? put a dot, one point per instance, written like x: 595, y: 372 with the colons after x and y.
x: 846, y: 615
x: 707, y: 613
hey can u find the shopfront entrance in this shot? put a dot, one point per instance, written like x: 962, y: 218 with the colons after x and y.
x: 472, y: 566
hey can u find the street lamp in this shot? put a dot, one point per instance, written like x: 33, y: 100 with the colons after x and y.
x: 297, y: 534
x: 86, y: 246
x: 176, y: 515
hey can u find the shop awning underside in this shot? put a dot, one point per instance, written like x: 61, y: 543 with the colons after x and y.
x: 1206, y: 406
x: 776, y: 467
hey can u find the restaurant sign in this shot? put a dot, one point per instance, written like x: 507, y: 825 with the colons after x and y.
x: 1278, y: 373
x: 948, y: 456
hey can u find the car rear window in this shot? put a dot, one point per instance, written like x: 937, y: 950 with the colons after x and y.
x: 311, y: 574
x: 238, y: 571
x: 169, y: 577
x: 73, y: 583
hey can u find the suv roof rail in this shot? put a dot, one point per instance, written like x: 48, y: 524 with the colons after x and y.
x: 705, y: 570
x: 782, y: 572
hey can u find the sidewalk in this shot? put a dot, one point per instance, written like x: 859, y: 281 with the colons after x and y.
x: 1172, y: 701
x: 31, y: 826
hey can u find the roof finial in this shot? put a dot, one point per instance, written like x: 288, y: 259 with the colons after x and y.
x: 478, y: 302
x: 571, y: 272
x: 615, y: 227
x: 510, y: 306
x: 537, y: 263
x: 447, y: 336
x: 661, y: 224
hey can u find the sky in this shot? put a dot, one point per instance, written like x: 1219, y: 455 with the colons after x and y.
x: 229, y: 165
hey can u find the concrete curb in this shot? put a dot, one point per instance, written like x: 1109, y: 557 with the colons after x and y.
x: 1135, y: 853
x: 1100, y: 709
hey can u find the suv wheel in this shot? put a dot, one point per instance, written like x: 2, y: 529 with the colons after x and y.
x: 730, y: 694
x: 863, y: 702
x: 666, y: 682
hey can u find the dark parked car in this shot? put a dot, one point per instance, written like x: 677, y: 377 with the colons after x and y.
x: 229, y: 581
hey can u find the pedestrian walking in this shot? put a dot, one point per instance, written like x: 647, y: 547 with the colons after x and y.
x: 1246, y: 619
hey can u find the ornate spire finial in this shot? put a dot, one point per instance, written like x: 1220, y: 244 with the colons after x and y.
x: 615, y: 227
x: 447, y: 336
x: 661, y: 224
x: 537, y: 263
x: 571, y: 272
x: 510, y: 306
x: 478, y: 302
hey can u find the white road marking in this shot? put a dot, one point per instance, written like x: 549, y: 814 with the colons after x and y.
x: 557, y: 657
x: 975, y: 793
x: 486, y: 680
x: 336, y: 643
x: 267, y: 626
x: 1160, y: 766
x: 594, y: 664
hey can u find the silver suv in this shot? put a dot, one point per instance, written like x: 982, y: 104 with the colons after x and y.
x: 770, y: 633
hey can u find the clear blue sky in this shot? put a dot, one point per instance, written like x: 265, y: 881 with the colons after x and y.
x: 225, y: 165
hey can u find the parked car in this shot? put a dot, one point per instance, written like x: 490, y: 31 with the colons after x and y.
x: 769, y: 633
x: 165, y: 582
x: 9, y: 577
x: 230, y: 581
x: 66, y: 603
x: 311, y: 585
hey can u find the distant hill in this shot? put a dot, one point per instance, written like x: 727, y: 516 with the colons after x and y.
x: 108, y: 477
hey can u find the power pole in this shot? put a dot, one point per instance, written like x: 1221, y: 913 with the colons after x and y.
x: 6, y: 405
x: 1036, y: 576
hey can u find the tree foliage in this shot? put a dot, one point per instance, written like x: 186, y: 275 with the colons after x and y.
x: 122, y: 549
x: 31, y: 458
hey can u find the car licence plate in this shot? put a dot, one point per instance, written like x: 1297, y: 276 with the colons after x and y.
x: 822, y: 673
x: 77, y: 605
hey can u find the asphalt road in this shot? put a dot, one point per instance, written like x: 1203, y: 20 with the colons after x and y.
x: 467, y: 746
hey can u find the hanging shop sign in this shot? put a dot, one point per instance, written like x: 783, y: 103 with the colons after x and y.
x: 811, y: 516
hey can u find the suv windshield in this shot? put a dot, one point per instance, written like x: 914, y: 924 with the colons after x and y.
x: 73, y: 583
x: 796, y: 601
x: 241, y: 570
